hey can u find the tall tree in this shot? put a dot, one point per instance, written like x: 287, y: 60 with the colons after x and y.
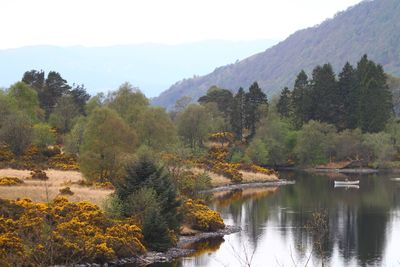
x: 222, y: 97
x: 34, y: 79
x: 255, y: 99
x: 284, y: 105
x: 55, y: 87
x: 349, y: 93
x: 325, y: 95
x: 301, y: 100
x: 194, y: 125
x: 238, y: 113
x: 375, y: 98
x: 80, y: 97
x: 107, y: 140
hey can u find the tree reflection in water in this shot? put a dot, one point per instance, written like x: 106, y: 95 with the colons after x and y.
x: 274, y: 223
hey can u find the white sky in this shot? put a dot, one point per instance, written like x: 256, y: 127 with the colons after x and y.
x: 110, y: 22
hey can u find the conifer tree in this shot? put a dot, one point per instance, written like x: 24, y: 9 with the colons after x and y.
x: 375, y: 98
x: 325, y: 95
x: 284, y: 105
x: 349, y: 93
x: 238, y: 113
x: 301, y: 101
x: 255, y: 98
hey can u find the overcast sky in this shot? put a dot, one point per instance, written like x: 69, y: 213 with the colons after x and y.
x: 110, y: 22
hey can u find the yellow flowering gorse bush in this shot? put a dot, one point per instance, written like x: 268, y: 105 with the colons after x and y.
x: 63, y: 232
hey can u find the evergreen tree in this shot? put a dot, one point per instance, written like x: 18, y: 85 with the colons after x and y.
x: 349, y: 93
x: 325, y: 95
x: 375, y: 98
x: 155, y: 232
x: 301, y: 101
x: 145, y: 173
x: 284, y: 106
x: 255, y: 98
x: 238, y: 113
x: 34, y: 79
x: 55, y: 87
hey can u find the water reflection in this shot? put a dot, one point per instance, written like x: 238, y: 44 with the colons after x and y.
x: 361, y: 224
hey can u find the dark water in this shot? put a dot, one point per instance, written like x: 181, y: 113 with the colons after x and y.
x: 361, y: 226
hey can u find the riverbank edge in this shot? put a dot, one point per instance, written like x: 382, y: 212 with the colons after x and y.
x: 172, y: 254
x: 248, y: 185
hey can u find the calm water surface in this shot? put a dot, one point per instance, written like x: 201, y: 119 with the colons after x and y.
x: 362, y: 226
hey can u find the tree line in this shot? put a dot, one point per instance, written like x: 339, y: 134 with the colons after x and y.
x: 358, y: 98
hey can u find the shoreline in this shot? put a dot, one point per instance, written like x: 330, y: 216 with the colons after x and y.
x: 249, y: 185
x: 172, y: 254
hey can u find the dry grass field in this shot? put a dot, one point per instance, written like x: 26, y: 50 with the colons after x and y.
x: 48, y: 190
x: 248, y: 177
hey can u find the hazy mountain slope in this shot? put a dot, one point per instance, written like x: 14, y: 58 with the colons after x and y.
x: 152, y: 67
x: 370, y: 27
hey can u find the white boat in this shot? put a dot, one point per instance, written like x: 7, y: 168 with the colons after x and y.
x: 345, y: 183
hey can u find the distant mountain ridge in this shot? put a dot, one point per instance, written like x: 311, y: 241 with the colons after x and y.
x: 371, y: 27
x: 151, y: 67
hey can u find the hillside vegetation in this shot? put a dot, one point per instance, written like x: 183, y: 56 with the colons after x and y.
x: 370, y: 27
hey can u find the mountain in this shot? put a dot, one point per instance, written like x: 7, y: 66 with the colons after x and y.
x: 371, y: 27
x: 151, y: 67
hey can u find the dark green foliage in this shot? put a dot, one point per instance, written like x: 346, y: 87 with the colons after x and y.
x: 375, y: 106
x: 255, y: 98
x: 52, y: 88
x: 238, y: 113
x: 156, y: 233
x: 156, y: 223
x: 325, y: 97
x: 301, y: 100
x: 360, y: 99
x: 34, y: 79
x: 80, y: 97
x: 349, y: 94
x: 222, y: 97
x: 284, y: 105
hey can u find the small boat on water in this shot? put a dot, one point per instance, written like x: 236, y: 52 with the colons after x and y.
x: 345, y: 183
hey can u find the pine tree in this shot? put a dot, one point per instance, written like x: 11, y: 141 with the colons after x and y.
x: 325, y: 95
x: 156, y: 233
x: 255, y: 98
x: 238, y: 113
x: 284, y: 105
x: 375, y: 98
x: 349, y: 93
x: 301, y: 101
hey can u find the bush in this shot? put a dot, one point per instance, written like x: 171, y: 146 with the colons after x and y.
x: 258, y: 152
x: 39, y: 175
x: 63, y: 232
x: 200, y: 217
x: 16, y: 132
x: 314, y: 142
x: 7, y: 181
x: 43, y: 135
x: 66, y: 191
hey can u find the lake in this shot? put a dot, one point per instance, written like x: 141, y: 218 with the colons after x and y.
x: 310, y: 223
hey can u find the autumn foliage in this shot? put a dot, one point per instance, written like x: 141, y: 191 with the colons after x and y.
x: 62, y: 232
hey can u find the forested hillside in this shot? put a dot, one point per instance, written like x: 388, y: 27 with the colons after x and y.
x: 370, y: 27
